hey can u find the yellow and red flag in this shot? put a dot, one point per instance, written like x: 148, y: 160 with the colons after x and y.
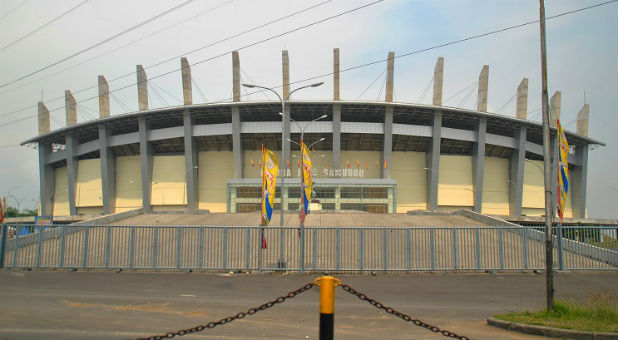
x: 307, y: 182
x: 563, y: 170
x: 269, y: 181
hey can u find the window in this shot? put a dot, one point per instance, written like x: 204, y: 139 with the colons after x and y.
x: 247, y: 207
x: 248, y: 192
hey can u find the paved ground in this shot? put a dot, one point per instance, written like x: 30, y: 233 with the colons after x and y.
x: 313, y: 220
x: 106, y: 305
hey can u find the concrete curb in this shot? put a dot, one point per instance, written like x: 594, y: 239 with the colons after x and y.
x: 550, y: 331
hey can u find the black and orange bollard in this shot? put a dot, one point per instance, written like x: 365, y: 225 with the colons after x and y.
x: 327, y: 286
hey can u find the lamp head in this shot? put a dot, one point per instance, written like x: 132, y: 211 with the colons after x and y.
x: 317, y: 84
x: 248, y: 85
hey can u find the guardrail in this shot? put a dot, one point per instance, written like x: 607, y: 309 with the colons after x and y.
x: 325, y: 249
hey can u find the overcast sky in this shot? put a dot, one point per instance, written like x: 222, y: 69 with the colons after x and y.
x: 582, y: 61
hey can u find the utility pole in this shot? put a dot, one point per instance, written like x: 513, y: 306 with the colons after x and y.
x: 549, y: 248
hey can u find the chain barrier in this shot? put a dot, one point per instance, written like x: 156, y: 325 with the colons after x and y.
x: 229, y: 319
x: 403, y: 316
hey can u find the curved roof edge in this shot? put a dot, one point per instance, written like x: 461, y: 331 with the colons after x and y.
x: 322, y: 102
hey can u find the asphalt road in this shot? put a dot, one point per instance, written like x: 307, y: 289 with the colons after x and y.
x: 108, y: 305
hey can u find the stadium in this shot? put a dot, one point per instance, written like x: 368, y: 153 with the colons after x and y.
x: 371, y: 156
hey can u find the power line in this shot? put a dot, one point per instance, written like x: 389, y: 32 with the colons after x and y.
x: 167, y: 60
x: 13, y: 10
x: 370, y: 85
x: 42, y: 26
x: 349, y: 68
x: 100, y: 42
x: 118, y: 48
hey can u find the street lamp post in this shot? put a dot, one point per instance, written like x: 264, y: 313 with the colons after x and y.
x: 282, y: 207
x: 302, y: 185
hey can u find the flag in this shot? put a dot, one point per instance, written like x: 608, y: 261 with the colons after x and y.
x: 563, y: 170
x: 307, y: 182
x: 385, y: 164
x: 1, y: 211
x: 347, y: 162
x: 252, y: 163
x: 269, y: 180
x: 366, y: 165
x: 357, y: 164
x: 377, y: 164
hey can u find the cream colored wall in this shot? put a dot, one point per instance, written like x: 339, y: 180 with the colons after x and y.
x: 373, y: 170
x: 455, y: 181
x: 90, y: 211
x: 408, y: 168
x: 88, y: 191
x: 128, y: 183
x: 496, y: 186
x: 214, y: 169
x: 533, y: 201
x: 61, y: 193
x: 168, y: 180
x: 533, y: 197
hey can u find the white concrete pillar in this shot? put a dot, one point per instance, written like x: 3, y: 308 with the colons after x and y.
x: 481, y: 102
x: 522, y: 99
x: 187, y: 92
x: 438, y: 77
x: 142, y: 88
x: 103, y: 97
x: 70, y: 107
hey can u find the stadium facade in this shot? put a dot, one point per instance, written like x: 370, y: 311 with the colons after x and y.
x: 375, y: 156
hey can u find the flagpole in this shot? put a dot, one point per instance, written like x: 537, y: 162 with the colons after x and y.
x: 549, y: 254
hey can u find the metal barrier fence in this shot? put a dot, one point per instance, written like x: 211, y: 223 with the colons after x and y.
x: 323, y: 249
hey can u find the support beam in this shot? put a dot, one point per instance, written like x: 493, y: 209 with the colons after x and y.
x: 285, y: 63
x: 582, y: 120
x: 387, y: 152
x: 390, y: 69
x: 108, y: 181
x: 432, y: 163
x: 70, y: 107
x: 103, y: 98
x: 46, y: 179
x: 236, y: 136
x: 142, y: 88
x: 481, y: 102
x: 187, y: 92
x: 438, y: 78
x: 522, y: 99
x: 43, y: 119
x: 336, y: 136
x: 517, y: 166
x: 336, y: 74
x: 191, y: 158
x: 478, y: 164
x: 336, y: 112
x: 70, y: 146
x: 579, y: 179
x: 554, y: 108
x: 145, y: 151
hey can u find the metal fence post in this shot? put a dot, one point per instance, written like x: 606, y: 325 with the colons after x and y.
x: 384, y: 249
x: 315, y: 248
x: 108, y: 241
x: 525, y: 247
x: 85, y: 250
x: 302, y: 249
x: 38, y: 250
x: 200, y: 261
x: 178, y: 246
x: 62, y: 239
x: 3, y: 232
x: 337, y: 248
x: 501, y: 247
x: 248, y: 248
x: 132, y: 247
x: 409, y: 249
x: 224, y: 248
x: 16, y: 243
x: 432, y: 248
x: 454, y: 238
x: 361, y: 249
x: 477, y: 242
x: 560, y: 255
x: 155, y: 246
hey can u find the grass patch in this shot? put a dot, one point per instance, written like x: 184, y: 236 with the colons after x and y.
x: 597, y: 313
